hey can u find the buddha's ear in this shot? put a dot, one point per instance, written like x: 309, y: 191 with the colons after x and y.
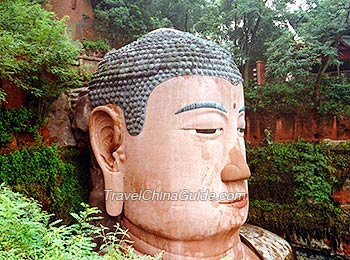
x: 106, y: 136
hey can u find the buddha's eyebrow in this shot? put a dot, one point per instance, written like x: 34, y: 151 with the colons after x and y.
x: 202, y: 104
x: 241, y: 109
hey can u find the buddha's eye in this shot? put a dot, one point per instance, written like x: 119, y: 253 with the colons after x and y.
x: 208, y: 131
x: 241, y: 124
x: 240, y: 130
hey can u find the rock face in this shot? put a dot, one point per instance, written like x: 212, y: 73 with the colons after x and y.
x: 81, y: 17
x: 80, y: 124
x: 289, y: 127
x: 68, y: 122
x: 80, y: 119
x: 342, y: 196
x: 267, y: 244
x: 59, y: 124
x: 15, y: 96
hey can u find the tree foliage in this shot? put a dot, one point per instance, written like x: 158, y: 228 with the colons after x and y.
x: 312, y: 47
x: 122, y: 21
x: 242, y: 26
x: 251, y: 30
x: 302, y: 166
x: 183, y: 14
x: 289, y: 58
x: 40, y: 172
x: 27, y: 234
x: 35, y: 51
x: 17, y: 121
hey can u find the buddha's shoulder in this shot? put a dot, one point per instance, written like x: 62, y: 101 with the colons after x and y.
x: 265, y: 243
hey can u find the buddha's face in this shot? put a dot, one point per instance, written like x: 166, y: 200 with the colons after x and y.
x: 192, y: 141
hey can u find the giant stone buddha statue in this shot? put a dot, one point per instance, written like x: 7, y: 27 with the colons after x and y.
x: 167, y: 131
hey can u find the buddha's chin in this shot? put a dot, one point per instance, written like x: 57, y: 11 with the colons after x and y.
x: 185, y: 245
x: 190, y: 224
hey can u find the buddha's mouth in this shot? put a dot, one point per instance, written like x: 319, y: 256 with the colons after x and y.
x: 240, y: 202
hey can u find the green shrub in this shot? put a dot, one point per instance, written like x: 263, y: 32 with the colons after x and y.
x: 40, y: 173
x: 21, y: 120
x: 291, y: 186
x: 99, y: 45
x: 27, y: 234
x: 281, y: 97
x: 335, y: 97
x: 36, y: 52
x: 301, y: 168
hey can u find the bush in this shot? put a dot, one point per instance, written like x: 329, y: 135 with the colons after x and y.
x: 15, y: 121
x: 301, y: 167
x: 27, y: 234
x: 280, y: 97
x: 100, y: 46
x: 36, y: 53
x: 335, y: 97
x: 40, y: 173
x: 291, y: 186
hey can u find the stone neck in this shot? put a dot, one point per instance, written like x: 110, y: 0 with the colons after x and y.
x: 211, y: 248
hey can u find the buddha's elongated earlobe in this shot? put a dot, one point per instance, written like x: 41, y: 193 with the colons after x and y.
x: 106, y: 137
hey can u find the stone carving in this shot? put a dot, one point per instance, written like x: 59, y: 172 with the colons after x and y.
x: 127, y: 76
x: 167, y: 131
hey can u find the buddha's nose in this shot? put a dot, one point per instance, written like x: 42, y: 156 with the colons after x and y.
x: 237, y: 169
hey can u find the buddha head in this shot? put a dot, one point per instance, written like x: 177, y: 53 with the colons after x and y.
x: 167, y: 131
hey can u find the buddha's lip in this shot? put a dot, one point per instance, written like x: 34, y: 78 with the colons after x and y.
x: 239, y: 202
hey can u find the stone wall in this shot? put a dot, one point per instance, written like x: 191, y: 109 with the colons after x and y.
x: 289, y: 127
x: 81, y: 17
x: 15, y: 96
x: 90, y: 63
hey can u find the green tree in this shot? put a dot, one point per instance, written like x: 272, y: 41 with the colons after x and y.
x: 183, y: 14
x: 35, y: 51
x: 289, y: 57
x: 242, y: 26
x: 313, y: 45
x: 122, y: 21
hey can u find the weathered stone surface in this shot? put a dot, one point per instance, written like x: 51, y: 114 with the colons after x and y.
x: 342, y: 197
x: 81, y: 17
x: 81, y: 114
x: 289, y: 127
x: 15, y: 96
x: 267, y: 244
x: 59, y: 124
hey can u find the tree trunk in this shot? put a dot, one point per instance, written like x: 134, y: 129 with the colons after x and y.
x: 319, y: 79
x: 246, y: 73
x: 186, y: 22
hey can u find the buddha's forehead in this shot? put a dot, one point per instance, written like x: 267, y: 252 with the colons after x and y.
x: 196, y: 90
x: 127, y: 76
x: 197, y: 87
